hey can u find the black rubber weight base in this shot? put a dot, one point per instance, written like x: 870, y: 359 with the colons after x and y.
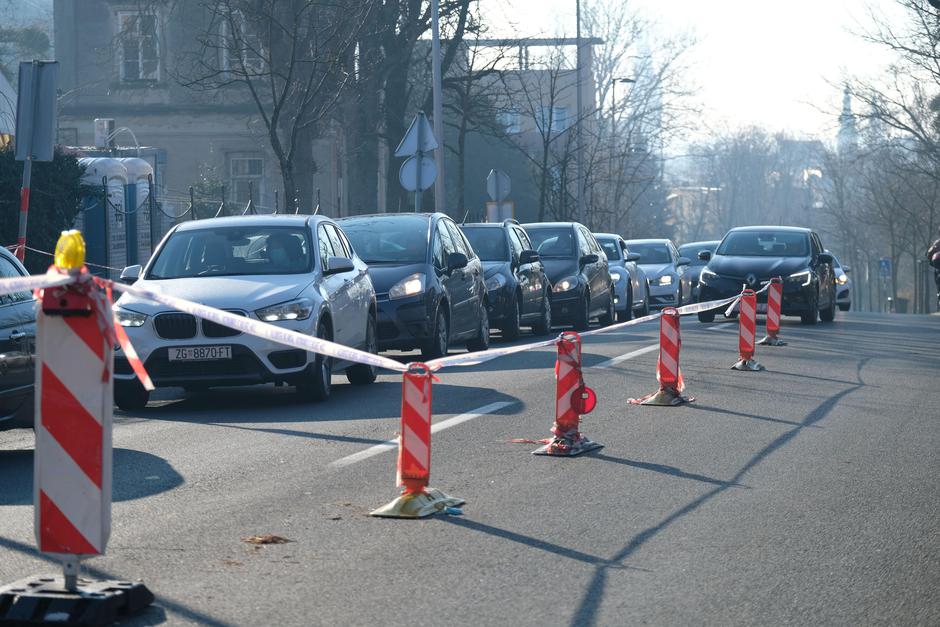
x: 44, y: 601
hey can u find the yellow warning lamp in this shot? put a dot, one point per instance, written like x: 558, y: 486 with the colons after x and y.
x: 70, y: 251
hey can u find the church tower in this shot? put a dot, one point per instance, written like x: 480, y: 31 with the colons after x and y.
x: 848, y: 133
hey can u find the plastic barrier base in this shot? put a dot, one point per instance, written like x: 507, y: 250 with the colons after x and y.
x: 666, y: 397
x: 417, y: 505
x: 565, y: 447
x: 748, y: 365
x: 772, y: 341
x: 45, y: 601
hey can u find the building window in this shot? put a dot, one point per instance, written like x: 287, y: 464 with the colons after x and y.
x: 241, y: 48
x: 139, y: 46
x: 246, y: 172
x: 554, y: 119
x: 510, y: 121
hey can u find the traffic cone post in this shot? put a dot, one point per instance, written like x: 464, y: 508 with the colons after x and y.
x: 72, y: 482
x: 748, y: 328
x: 572, y: 399
x: 774, y: 300
x: 414, y: 452
x: 668, y: 373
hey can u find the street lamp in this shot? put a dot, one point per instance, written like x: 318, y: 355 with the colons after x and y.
x: 613, y: 101
x: 579, y: 183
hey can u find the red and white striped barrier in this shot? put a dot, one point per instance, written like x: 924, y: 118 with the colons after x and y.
x: 414, y: 451
x: 774, y: 301
x: 748, y: 331
x: 572, y: 399
x: 668, y: 372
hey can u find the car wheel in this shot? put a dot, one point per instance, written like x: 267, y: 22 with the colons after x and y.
x: 582, y: 318
x: 607, y: 318
x: 514, y: 320
x: 645, y: 309
x: 130, y: 395
x: 439, y: 341
x: 364, y: 374
x: 679, y: 295
x: 812, y: 315
x: 317, y: 381
x: 544, y: 325
x: 627, y: 313
x: 845, y: 306
x: 829, y: 313
x: 482, y: 341
x: 706, y: 316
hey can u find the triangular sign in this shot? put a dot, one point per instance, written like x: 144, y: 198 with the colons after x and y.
x: 420, y: 129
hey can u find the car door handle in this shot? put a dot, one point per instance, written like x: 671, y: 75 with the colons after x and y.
x: 17, y: 335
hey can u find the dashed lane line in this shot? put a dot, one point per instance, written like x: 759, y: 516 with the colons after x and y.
x: 616, y: 360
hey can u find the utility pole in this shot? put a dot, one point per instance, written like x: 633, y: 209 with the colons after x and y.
x: 438, y: 106
x: 579, y: 149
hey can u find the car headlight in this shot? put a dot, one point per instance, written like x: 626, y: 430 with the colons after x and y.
x: 665, y: 279
x: 842, y: 279
x: 706, y: 274
x: 615, y: 276
x: 565, y: 285
x: 495, y: 282
x: 804, y: 278
x: 409, y: 286
x: 299, y: 309
x: 128, y: 318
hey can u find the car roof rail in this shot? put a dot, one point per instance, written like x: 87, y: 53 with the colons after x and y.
x: 510, y: 221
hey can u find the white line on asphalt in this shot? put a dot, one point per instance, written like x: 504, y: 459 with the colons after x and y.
x: 616, y: 360
x: 719, y: 327
x: 437, y: 426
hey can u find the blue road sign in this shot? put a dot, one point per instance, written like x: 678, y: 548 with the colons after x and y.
x: 884, y: 267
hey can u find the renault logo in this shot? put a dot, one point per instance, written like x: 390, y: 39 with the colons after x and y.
x: 751, y: 280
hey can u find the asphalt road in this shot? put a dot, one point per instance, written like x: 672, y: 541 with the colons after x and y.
x: 806, y: 494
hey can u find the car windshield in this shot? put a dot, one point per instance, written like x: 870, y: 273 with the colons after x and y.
x: 233, y: 251
x: 391, y: 240
x: 552, y: 243
x: 765, y: 244
x: 651, y: 253
x: 691, y: 251
x: 488, y: 243
x: 611, y: 248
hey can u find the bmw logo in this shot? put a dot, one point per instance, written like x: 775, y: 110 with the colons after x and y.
x: 751, y: 279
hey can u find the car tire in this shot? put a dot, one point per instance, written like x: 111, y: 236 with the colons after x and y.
x: 439, y: 341
x: 608, y: 317
x: 645, y: 309
x: 544, y: 325
x: 583, y: 318
x: 482, y: 341
x: 844, y: 307
x: 130, y: 395
x: 811, y: 316
x: 706, y: 316
x: 364, y: 374
x: 511, y: 328
x: 829, y: 313
x: 317, y: 380
x: 627, y: 314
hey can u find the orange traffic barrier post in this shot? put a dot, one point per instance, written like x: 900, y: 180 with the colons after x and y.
x: 748, y: 330
x: 668, y: 372
x: 72, y: 483
x: 572, y: 399
x: 774, y: 300
x: 414, y: 452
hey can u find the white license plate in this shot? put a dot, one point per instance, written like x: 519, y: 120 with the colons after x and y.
x: 200, y: 353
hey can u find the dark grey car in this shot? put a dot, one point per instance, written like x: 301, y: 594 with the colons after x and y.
x: 17, y: 349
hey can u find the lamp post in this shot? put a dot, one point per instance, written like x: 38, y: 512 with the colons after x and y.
x: 579, y: 180
x: 613, y: 101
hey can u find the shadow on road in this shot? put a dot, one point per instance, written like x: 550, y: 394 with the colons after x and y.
x: 136, y: 475
x: 666, y: 470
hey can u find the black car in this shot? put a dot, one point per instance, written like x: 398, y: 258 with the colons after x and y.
x: 751, y: 256
x: 691, y: 251
x: 17, y: 349
x: 577, y: 270
x: 517, y: 289
x: 428, y: 281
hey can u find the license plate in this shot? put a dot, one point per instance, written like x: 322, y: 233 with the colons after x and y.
x: 762, y: 308
x: 200, y: 353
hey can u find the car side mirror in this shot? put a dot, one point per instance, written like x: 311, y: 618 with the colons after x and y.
x: 683, y: 261
x: 588, y: 259
x: 824, y: 258
x: 846, y: 269
x: 705, y: 255
x: 130, y: 274
x: 528, y: 256
x: 456, y: 261
x: 633, y: 256
x: 335, y: 265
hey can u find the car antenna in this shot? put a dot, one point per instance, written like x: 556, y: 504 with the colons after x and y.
x: 317, y: 209
x: 465, y: 216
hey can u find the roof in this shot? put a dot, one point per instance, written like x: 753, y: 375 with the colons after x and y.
x: 648, y: 241
x: 790, y: 229
x: 608, y: 235
x: 538, y: 225
x: 273, y: 220
x: 707, y: 242
x: 486, y: 225
x: 391, y: 216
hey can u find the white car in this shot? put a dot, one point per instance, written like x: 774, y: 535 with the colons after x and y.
x: 670, y: 283
x: 843, y: 284
x: 298, y: 272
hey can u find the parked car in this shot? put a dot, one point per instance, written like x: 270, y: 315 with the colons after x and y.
x: 666, y: 269
x: 517, y: 289
x: 298, y: 272
x: 843, y: 284
x: 753, y: 255
x: 17, y: 349
x: 428, y: 280
x: 631, y: 288
x: 577, y: 270
x: 690, y: 251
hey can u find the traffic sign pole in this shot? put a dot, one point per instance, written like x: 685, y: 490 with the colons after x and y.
x: 27, y: 165
x: 418, y: 170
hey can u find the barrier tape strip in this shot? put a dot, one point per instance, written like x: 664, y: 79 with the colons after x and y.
x: 737, y: 299
x: 34, y: 282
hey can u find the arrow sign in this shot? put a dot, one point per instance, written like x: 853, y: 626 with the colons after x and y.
x: 417, y: 178
x: 418, y: 138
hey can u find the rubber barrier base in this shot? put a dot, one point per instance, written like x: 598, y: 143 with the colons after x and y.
x: 45, y: 601
x: 663, y: 398
x: 563, y: 447
x: 772, y: 341
x: 411, y: 505
x: 748, y: 365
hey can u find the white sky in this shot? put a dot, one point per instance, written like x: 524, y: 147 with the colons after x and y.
x: 756, y: 62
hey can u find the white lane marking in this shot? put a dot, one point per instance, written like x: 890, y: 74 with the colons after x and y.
x: 719, y: 327
x: 437, y: 426
x: 616, y: 360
